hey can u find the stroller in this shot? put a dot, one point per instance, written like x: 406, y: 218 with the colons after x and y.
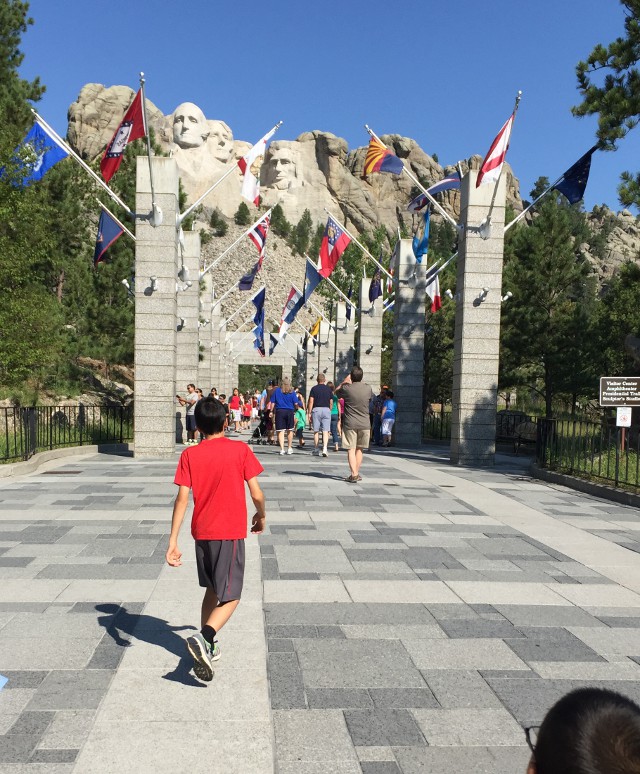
x: 259, y: 435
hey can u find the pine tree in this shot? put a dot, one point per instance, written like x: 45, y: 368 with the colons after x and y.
x: 301, y: 234
x: 616, y: 99
x: 242, y: 216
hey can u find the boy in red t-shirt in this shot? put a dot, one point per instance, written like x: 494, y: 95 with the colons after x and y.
x: 215, y: 471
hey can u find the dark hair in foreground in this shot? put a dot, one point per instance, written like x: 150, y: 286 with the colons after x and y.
x: 210, y: 415
x: 356, y: 374
x: 590, y: 731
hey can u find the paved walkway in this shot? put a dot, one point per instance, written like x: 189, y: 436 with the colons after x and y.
x: 411, y: 623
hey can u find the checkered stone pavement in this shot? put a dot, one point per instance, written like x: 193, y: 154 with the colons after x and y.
x: 413, y: 622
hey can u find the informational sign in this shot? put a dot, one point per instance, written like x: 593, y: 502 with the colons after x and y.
x: 620, y: 390
x: 623, y: 416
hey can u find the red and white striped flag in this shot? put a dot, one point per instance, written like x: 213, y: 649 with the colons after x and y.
x: 250, y: 167
x: 492, y: 164
x: 258, y: 234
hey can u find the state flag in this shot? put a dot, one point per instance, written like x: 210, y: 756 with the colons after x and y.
x: 250, y: 165
x: 334, y: 242
x: 315, y: 330
x: 433, y: 291
x: 420, y: 243
x: 273, y: 343
x: 375, y: 287
x: 258, y: 234
x: 132, y: 127
x: 246, y: 281
x: 36, y: 154
x: 448, y: 183
x: 349, y: 294
x: 292, y: 306
x: 574, y: 181
x: 312, y: 279
x: 108, y: 232
x: 492, y: 164
x: 381, y: 159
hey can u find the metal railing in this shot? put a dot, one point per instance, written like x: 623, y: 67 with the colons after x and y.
x: 27, y: 430
x: 594, y: 450
x: 437, y: 426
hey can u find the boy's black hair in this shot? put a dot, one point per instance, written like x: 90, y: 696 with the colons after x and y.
x: 356, y: 374
x: 590, y: 731
x: 389, y: 394
x: 210, y: 416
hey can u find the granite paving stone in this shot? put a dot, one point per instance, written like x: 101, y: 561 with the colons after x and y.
x: 403, y: 625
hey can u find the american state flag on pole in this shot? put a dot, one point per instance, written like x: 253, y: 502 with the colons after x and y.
x: 292, y: 306
x: 334, y: 242
x: 250, y: 167
x: 492, y: 164
x: 433, y: 291
x: 258, y: 234
x: 131, y: 128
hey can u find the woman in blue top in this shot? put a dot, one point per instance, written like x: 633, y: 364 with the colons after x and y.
x: 285, y: 402
x: 388, y: 417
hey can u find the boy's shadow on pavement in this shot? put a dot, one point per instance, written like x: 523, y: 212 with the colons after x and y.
x: 313, y: 474
x: 121, y: 625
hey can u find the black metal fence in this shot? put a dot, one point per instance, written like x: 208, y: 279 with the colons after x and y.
x: 594, y: 450
x: 25, y: 431
x: 510, y: 426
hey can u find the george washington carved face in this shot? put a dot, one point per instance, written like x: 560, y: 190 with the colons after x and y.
x: 190, y: 128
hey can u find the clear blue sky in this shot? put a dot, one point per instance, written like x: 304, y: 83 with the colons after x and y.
x: 444, y: 73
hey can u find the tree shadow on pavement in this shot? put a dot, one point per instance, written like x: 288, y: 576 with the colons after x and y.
x: 122, y: 625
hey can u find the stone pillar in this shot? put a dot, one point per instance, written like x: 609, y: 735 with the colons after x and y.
x: 312, y: 366
x: 205, y: 337
x: 301, y: 362
x: 326, y: 350
x: 370, y: 337
x: 477, y: 331
x: 155, y: 312
x: 187, y: 337
x: 344, y: 349
x: 408, y: 344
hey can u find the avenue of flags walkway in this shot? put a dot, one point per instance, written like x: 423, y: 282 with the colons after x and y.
x: 413, y: 623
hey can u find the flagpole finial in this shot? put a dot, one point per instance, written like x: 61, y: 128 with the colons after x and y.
x: 141, y: 77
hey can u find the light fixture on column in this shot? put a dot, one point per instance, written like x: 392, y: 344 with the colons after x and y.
x: 369, y: 349
x: 203, y: 323
x: 183, y: 275
x: 483, y: 294
x: 153, y: 283
x: 507, y: 296
x: 449, y: 294
x: 384, y: 349
x: 182, y: 323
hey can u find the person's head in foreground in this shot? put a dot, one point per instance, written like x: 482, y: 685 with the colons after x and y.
x: 588, y: 731
x: 210, y: 416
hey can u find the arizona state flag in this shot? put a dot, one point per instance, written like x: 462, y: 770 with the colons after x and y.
x: 131, y: 128
x: 381, y: 159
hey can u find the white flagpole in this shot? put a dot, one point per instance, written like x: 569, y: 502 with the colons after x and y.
x: 416, y: 182
x: 156, y: 218
x: 217, y: 183
x: 213, y: 264
x: 240, y: 308
x: 360, y: 245
x: 281, y: 341
x: 224, y: 295
x: 335, y: 287
x: 322, y: 315
x: 300, y: 325
x: 111, y: 215
x: 83, y: 164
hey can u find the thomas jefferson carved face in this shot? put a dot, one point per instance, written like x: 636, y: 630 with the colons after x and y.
x: 221, y: 141
x: 280, y: 166
x: 190, y: 128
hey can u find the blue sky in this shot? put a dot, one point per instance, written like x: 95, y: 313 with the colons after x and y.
x: 445, y: 74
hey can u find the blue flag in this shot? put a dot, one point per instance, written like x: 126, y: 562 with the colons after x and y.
x: 311, y: 279
x: 349, y: 294
x: 108, y: 232
x: 273, y: 343
x: 375, y: 288
x: 574, y: 181
x: 421, y: 244
x: 246, y: 281
x: 258, y: 319
x: 36, y: 154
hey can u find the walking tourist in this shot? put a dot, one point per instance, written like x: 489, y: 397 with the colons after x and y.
x: 319, y: 412
x: 301, y: 422
x: 378, y: 402
x: 336, y: 427
x: 356, y: 429
x: 215, y: 471
x: 285, y: 402
x: 388, y: 417
x: 235, y: 403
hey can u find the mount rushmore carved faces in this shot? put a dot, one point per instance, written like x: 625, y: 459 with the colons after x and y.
x: 281, y: 166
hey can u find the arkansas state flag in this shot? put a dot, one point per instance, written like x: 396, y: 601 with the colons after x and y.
x: 250, y: 167
x: 131, y: 128
x: 334, y: 242
x: 433, y: 291
x: 492, y: 164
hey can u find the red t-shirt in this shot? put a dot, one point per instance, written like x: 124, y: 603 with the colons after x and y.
x: 216, y: 471
x: 234, y: 402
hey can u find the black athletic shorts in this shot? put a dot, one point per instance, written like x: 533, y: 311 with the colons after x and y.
x: 221, y: 567
x: 191, y: 422
x: 285, y: 419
